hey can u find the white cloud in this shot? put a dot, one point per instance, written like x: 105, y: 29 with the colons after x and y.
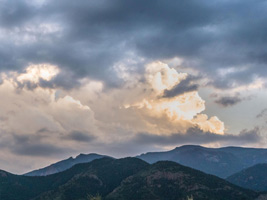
x: 161, y: 77
x: 25, y: 112
x: 34, y: 73
x: 179, y: 112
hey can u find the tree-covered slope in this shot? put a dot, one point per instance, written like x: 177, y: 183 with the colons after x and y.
x: 170, y: 181
x: 98, y: 176
x: 254, y: 178
x: 15, y: 187
x: 101, y: 177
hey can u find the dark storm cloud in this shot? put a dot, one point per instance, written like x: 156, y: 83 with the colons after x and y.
x: 94, y: 35
x: 184, y: 86
x: 228, y: 100
x: 15, y: 13
x: 262, y: 113
x: 196, y: 136
x: 37, y: 145
x: 37, y: 150
x: 33, y: 146
x: 80, y: 136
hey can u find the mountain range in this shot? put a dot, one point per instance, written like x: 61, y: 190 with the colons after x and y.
x: 221, y: 162
x: 122, y: 179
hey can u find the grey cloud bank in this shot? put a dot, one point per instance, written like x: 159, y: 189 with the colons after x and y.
x: 86, y: 39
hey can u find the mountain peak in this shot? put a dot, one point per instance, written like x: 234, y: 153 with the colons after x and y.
x: 189, y: 146
x: 81, y: 155
x: 86, y: 155
x: 65, y: 164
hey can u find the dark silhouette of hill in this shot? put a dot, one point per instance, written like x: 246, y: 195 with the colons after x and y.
x: 98, y: 176
x: 127, y: 178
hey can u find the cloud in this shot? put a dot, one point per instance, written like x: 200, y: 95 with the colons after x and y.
x: 15, y: 13
x: 87, y: 39
x: 33, y: 146
x: 176, y: 113
x: 40, y: 116
x: 80, y: 137
x: 228, y: 101
x: 92, y: 118
x: 262, y: 113
x: 47, y: 115
x: 183, y: 87
x: 197, y: 136
x: 35, y: 75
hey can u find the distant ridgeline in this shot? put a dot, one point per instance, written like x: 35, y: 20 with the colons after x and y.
x: 64, y: 164
x: 221, y: 162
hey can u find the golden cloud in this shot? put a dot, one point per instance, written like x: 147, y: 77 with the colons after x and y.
x: 179, y: 112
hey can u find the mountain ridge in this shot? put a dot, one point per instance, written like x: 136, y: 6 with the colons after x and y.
x: 65, y: 164
x: 221, y: 162
x: 167, y: 180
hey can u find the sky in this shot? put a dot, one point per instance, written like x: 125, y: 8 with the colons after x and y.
x: 124, y: 77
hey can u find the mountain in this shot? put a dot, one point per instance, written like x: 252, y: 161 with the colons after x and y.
x: 121, y: 179
x: 64, y: 164
x: 168, y: 180
x: 221, y: 162
x: 15, y: 187
x: 99, y: 176
x: 254, y: 178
